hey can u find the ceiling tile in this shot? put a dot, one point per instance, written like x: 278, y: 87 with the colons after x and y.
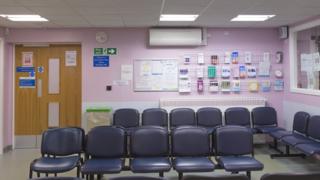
x: 42, y: 3
x: 14, y: 10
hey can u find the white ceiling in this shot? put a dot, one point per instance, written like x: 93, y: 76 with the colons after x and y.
x: 145, y: 13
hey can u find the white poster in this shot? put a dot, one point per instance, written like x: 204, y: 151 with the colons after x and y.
x: 27, y: 59
x: 306, y: 62
x: 316, y: 61
x: 264, y: 68
x: 126, y: 72
x: 71, y: 58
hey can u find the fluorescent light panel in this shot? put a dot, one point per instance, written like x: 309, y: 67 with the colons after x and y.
x: 20, y: 17
x: 178, y: 17
x: 247, y: 17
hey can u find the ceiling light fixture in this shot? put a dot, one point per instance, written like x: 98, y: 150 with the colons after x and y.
x: 20, y: 17
x: 178, y: 17
x: 247, y: 17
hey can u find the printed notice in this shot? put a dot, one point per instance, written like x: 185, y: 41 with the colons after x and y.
x: 71, y: 58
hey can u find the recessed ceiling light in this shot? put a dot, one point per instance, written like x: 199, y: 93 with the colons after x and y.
x: 242, y: 17
x: 20, y: 17
x: 178, y: 17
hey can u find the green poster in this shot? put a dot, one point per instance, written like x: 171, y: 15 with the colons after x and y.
x: 211, y: 71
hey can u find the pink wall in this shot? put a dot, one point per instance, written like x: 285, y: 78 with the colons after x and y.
x: 131, y: 44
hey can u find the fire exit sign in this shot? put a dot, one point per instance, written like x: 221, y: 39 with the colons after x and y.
x: 105, y: 51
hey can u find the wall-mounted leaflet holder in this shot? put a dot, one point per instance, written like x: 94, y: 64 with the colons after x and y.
x: 187, y: 59
x: 247, y: 57
x: 279, y: 57
x: 235, y: 57
x: 211, y: 71
x: 213, y: 86
x: 225, y: 71
x: 200, y: 58
x: 227, y: 57
x: 200, y: 85
x: 200, y: 71
x: 214, y: 59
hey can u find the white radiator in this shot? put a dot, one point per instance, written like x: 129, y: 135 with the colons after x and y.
x: 222, y: 102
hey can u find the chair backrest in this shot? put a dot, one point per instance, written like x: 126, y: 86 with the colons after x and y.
x: 182, y: 117
x: 190, y: 141
x: 126, y: 118
x: 300, y: 122
x: 264, y: 116
x: 155, y: 117
x: 149, y: 141
x: 233, y: 140
x: 106, y: 142
x: 313, y: 128
x: 291, y: 176
x: 209, y: 117
x: 62, y: 141
x: 237, y: 116
x: 220, y: 177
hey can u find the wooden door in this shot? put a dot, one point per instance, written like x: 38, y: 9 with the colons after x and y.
x: 55, y: 99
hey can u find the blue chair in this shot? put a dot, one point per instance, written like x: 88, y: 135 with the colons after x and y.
x: 238, y: 116
x: 137, y: 178
x: 264, y: 120
x: 300, y: 125
x: 182, y: 117
x: 233, y: 144
x: 291, y: 176
x: 61, y: 151
x: 105, y: 150
x: 190, y: 149
x: 57, y: 178
x: 209, y: 118
x: 312, y: 147
x: 155, y: 117
x: 150, y: 150
x: 220, y: 177
x: 126, y: 118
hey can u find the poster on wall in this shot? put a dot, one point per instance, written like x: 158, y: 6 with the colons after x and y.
x: 126, y: 72
x: 71, y: 58
x: 27, y: 59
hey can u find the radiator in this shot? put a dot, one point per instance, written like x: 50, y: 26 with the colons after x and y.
x: 220, y: 102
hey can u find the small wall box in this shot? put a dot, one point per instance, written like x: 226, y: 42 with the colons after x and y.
x: 283, y: 32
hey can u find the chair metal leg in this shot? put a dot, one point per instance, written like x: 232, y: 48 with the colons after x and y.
x: 180, y: 175
x: 55, y: 174
x: 38, y: 174
x: 47, y: 174
x: 99, y: 176
x: 30, y: 173
x: 249, y: 175
x: 91, y: 177
x: 161, y: 174
x: 287, y: 154
x: 78, y: 171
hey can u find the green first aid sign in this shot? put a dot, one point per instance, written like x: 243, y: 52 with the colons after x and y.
x: 105, y: 51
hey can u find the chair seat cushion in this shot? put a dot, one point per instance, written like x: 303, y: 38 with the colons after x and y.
x: 56, y: 178
x: 211, y: 129
x: 55, y: 165
x: 309, y: 149
x: 280, y: 134
x: 295, y: 139
x: 102, y: 166
x: 267, y: 129
x: 240, y: 163
x: 193, y: 164
x: 150, y: 164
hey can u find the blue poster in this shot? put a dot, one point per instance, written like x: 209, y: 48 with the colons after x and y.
x: 25, y: 69
x: 100, y: 61
x: 27, y: 82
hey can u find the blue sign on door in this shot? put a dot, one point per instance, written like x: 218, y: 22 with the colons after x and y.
x: 100, y: 61
x: 27, y: 82
x: 24, y: 69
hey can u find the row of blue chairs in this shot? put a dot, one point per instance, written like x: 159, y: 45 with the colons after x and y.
x: 304, y: 137
x: 264, y: 119
x: 274, y: 176
x: 105, y: 150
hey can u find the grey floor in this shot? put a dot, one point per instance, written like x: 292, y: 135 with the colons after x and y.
x: 14, y: 165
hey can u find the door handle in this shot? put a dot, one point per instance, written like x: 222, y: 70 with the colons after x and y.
x: 39, y: 93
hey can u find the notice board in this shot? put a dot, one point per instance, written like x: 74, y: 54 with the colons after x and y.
x: 155, y: 75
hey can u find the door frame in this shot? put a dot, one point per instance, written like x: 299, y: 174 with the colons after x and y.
x: 31, y: 44
x: 2, y: 95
